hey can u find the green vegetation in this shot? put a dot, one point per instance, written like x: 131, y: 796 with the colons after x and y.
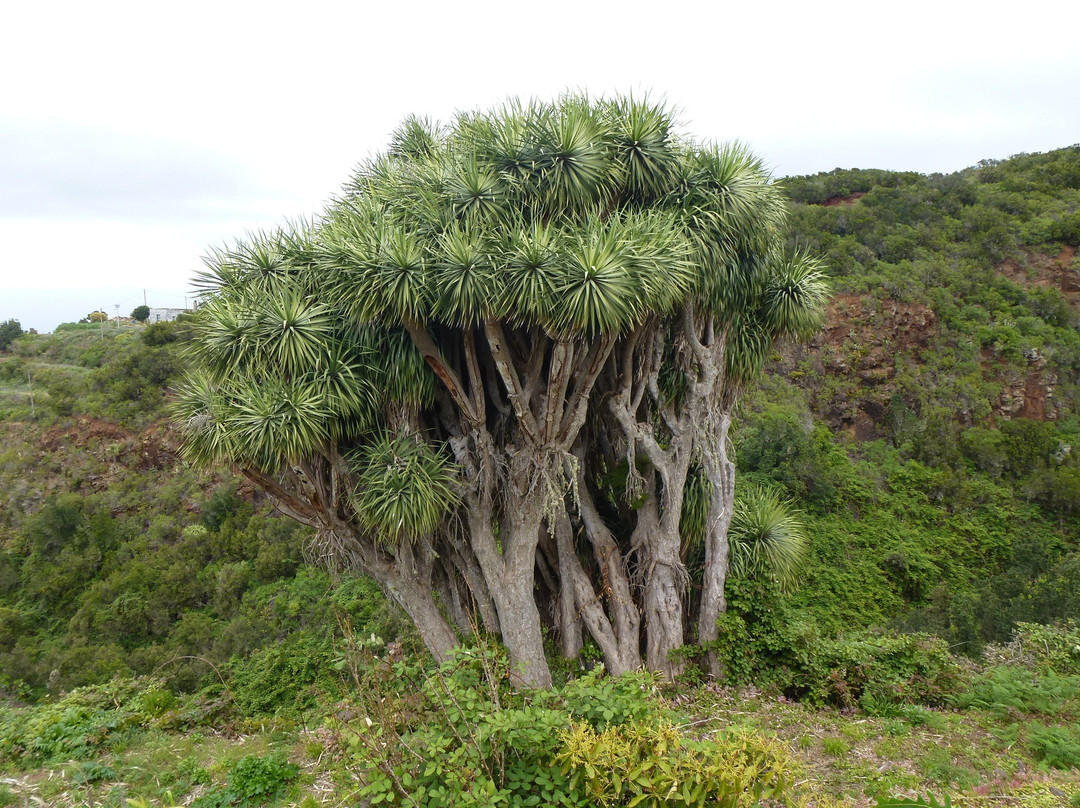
x: 573, y: 288
x: 9, y: 331
x: 163, y: 640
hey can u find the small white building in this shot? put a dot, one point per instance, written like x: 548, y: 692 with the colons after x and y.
x: 164, y: 315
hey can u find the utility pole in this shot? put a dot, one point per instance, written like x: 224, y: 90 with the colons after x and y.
x: 103, y: 319
x: 29, y: 381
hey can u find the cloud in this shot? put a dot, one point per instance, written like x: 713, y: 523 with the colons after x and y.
x: 67, y: 171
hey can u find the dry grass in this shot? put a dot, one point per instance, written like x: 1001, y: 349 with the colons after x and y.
x: 855, y: 759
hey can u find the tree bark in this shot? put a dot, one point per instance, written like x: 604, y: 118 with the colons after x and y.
x: 509, y: 578
x: 665, y: 583
x: 624, y: 653
x: 415, y: 598
x: 569, y: 616
x: 721, y: 474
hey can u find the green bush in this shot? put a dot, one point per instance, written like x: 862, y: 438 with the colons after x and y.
x: 1052, y: 648
x: 1008, y: 689
x: 251, y: 781
x: 286, y: 677
x: 763, y: 641
x: 81, y: 723
x: 462, y: 736
x: 875, y: 671
x: 1058, y: 747
x: 10, y: 330
x: 655, y: 765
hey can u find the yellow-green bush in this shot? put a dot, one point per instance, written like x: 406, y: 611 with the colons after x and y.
x: 653, y: 765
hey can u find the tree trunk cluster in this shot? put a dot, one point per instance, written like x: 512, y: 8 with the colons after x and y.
x: 574, y: 456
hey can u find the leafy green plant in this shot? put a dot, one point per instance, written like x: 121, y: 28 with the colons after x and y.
x: 285, y: 678
x: 254, y: 780
x: 81, y: 723
x: 251, y: 781
x: 1006, y: 690
x: 602, y: 701
x: 1058, y: 747
x: 461, y: 735
x: 656, y: 765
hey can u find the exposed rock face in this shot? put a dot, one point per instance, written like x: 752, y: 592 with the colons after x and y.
x: 1038, y: 270
x: 862, y: 339
x: 1032, y: 398
x: 865, y: 340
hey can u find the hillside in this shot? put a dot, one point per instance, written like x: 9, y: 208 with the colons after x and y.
x: 930, y: 435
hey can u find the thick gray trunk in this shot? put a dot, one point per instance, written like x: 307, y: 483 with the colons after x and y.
x: 665, y: 583
x: 721, y: 473
x: 618, y: 632
x: 569, y: 618
x: 415, y: 598
x: 521, y: 632
x: 509, y: 576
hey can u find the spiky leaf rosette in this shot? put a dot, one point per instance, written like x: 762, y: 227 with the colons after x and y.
x: 416, y: 139
x: 404, y: 490
x: 259, y: 264
x: 767, y: 536
x: 196, y: 409
x: 794, y: 297
x: 262, y: 423
x: 643, y: 148
x: 580, y: 217
x: 396, y: 369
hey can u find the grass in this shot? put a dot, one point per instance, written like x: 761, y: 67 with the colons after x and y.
x: 852, y: 759
x: 843, y: 758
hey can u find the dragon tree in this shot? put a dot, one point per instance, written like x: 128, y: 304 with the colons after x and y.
x: 497, y: 374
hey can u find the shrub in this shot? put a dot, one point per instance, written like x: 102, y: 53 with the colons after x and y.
x: 1045, y: 648
x: 462, y: 736
x: 771, y: 646
x: 656, y: 765
x: 285, y: 677
x: 875, y: 671
x: 251, y: 781
x: 1056, y: 746
x: 10, y: 330
x: 81, y: 723
x: 257, y: 779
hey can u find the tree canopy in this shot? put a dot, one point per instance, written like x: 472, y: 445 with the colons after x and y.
x: 10, y: 330
x: 497, y: 373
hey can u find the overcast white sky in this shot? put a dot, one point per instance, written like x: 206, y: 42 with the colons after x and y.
x: 135, y: 135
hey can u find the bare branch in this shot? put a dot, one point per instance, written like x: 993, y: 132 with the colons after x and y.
x: 437, y: 362
x: 476, y: 383
x: 508, y: 373
x: 579, y: 403
x: 562, y: 359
